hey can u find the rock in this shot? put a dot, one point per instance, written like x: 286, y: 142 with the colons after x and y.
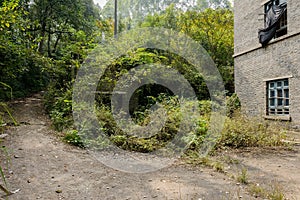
x: 2, y: 136
x: 58, y: 191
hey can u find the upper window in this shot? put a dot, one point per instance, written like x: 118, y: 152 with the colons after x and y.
x: 282, y: 21
x: 275, y: 21
x: 278, y: 97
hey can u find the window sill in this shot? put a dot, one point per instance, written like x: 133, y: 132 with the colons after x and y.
x: 278, y: 117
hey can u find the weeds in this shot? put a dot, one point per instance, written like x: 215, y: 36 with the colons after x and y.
x: 243, y: 176
x: 4, y: 109
x: 241, y: 131
x: 272, y: 192
x: 73, y: 138
x: 2, y: 175
x: 193, y: 158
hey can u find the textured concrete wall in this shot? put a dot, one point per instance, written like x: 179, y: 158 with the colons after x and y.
x: 254, y: 64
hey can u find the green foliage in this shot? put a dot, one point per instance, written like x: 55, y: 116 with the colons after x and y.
x: 241, y: 131
x: 3, y: 186
x: 73, y: 138
x: 133, y: 12
x: 59, y: 105
x: 212, y: 28
x: 142, y: 116
x: 273, y: 191
x: 4, y: 110
x: 21, y: 67
x: 243, y: 176
x: 233, y: 104
x: 192, y: 157
x: 8, y: 112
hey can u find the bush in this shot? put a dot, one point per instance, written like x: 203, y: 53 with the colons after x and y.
x: 233, y: 104
x: 59, y: 106
x: 73, y: 138
x: 142, y: 118
x: 241, y: 131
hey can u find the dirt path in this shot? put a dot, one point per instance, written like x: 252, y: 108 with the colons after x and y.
x: 272, y: 169
x: 43, y: 167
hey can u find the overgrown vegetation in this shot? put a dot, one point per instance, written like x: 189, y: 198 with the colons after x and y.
x: 43, y: 44
x: 3, y: 182
x: 273, y: 191
x: 5, y: 114
x: 243, y: 176
x: 241, y: 131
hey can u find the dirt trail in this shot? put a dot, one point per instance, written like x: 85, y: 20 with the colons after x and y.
x: 43, y: 167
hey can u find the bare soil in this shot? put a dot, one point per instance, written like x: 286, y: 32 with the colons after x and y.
x: 43, y: 167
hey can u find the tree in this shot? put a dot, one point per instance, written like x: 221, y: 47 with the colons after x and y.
x: 54, y: 20
x: 213, y: 28
x: 21, y: 67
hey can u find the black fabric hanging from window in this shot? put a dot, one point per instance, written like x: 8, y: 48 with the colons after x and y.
x: 273, y: 16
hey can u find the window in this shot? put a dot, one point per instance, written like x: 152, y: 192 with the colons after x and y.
x: 275, y: 21
x: 278, y: 97
x: 282, y: 24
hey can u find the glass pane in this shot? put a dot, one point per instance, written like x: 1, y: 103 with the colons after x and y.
x: 279, y: 93
x: 272, y: 102
x: 278, y: 97
x: 272, y: 93
x: 287, y: 102
x: 279, y: 84
x: 286, y: 93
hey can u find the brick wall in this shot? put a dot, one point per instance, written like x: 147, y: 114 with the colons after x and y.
x: 254, y: 64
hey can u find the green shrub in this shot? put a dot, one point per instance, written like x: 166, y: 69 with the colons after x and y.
x: 241, y: 131
x: 142, y: 117
x: 233, y: 104
x: 59, y: 106
x: 73, y: 138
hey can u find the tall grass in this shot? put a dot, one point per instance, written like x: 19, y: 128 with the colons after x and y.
x: 4, y: 110
x: 242, y: 131
x: 3, y: 186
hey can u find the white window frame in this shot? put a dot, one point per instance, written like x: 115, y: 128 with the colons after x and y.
x: 278, y: 97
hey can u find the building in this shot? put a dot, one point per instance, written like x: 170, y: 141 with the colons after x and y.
x: 267, y: 57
